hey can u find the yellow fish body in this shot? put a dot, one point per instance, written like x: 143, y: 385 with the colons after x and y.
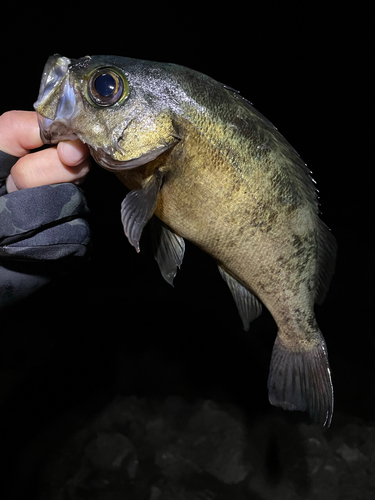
x: 197, y: 155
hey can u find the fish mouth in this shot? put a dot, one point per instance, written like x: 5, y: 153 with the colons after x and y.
x: 56, y: 104
x: 52, y: 132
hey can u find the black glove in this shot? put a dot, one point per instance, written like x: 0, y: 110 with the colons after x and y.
x: 42, y: 232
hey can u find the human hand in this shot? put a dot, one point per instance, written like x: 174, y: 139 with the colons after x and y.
x: 43, y: 230
x: 69, y: 161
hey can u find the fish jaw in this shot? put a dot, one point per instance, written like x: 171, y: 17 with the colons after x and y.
x: 52, y: 132
x: 106, y: 161
x: 56, y: 104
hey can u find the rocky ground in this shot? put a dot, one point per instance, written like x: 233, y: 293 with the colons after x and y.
x: 176, y: 450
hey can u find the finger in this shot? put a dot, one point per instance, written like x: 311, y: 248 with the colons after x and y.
x: 45, y: 167
x: 72, y: 153
x: 19, y: 132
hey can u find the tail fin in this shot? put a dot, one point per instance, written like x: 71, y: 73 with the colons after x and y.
x: 302, y: 381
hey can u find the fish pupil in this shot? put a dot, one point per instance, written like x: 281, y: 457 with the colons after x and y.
x: 105, y: 85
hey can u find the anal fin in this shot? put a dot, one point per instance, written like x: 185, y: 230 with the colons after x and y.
x: 138, y: 207
x: 249, y: 307
x: 301, y: 380
x: 169, y: 249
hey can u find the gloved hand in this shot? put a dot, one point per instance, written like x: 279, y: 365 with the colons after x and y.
x: 43, y: 231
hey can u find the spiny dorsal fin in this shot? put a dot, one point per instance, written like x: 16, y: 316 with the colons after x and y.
x: 138, y: 207
x: 169, y: 249
x: 249, y: 307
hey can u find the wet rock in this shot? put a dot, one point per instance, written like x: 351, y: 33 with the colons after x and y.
x: 109, y: 450
x: 295, y: 462
x: 213, y: 442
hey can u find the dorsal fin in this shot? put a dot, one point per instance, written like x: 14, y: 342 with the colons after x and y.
x: 327, y: 248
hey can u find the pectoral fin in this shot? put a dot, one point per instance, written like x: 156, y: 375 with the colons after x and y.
x: 249, y: 307
x: 169, y: 249
x: 138, y: 207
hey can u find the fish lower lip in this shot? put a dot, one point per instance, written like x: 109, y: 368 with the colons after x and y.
x: 54, y: 131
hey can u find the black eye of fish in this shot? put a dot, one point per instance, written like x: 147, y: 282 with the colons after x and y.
x: 107, y: 87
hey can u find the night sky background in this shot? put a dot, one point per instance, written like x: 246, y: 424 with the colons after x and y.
x: 115, y: 326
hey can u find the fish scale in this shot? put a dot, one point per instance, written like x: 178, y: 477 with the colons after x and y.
x: 199, y: 157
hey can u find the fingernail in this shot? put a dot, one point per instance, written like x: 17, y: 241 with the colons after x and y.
x: 10, y: 184
x: 72, y: 152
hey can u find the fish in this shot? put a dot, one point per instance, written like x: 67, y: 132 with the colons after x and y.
x: 203, y: 165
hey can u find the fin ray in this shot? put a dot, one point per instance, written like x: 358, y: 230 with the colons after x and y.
x: 138, y: 207
x: 169, y: 249
x: 327, y: 248
x: 302, y: 381
x: 249, y: 307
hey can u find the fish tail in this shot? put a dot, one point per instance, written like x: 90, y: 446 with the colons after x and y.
x: 301, y: 380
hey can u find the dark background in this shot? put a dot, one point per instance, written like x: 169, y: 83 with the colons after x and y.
x: 116, y: 326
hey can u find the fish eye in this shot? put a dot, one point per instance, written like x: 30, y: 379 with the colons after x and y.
x: 107, y: 86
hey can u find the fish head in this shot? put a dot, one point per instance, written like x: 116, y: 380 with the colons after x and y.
x: 113, y: 104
